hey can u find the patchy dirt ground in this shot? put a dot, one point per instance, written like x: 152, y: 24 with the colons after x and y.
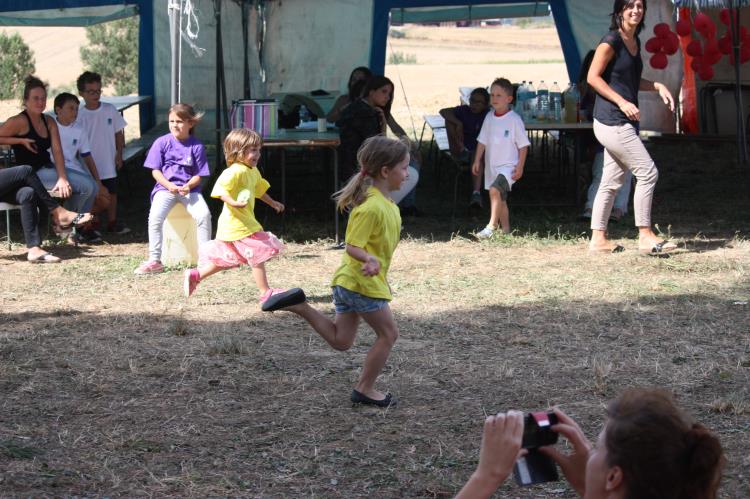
x: 115, y: 385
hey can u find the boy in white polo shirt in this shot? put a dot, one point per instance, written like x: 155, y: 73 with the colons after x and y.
x: 106, y: 132
x: 75, y: 144
x: 504, y: 145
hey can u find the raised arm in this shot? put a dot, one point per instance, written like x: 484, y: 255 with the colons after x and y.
x: 62, y: 186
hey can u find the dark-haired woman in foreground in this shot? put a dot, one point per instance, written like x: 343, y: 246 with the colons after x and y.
x: 648, y: 449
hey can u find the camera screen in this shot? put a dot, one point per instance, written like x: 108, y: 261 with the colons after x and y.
x: 536, y: 430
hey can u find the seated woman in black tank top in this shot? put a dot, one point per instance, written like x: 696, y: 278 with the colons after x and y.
x: 32, y: 134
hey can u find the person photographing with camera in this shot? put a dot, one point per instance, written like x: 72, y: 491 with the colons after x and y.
x: 648, y: 449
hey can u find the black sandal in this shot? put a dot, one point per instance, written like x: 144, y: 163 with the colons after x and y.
x: 77, y: 221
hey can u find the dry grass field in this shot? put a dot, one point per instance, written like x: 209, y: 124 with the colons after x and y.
x: 449, y: 58
x: 114, y: 385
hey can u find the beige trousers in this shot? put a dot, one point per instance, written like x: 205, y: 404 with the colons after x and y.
x: 623, y: 152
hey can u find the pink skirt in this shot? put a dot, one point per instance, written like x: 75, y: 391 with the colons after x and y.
x: 251, y: 250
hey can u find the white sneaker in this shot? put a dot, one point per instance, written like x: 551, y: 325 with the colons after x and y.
x: 485, y: 233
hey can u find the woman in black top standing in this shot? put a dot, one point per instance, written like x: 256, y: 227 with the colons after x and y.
x: 615, y: 74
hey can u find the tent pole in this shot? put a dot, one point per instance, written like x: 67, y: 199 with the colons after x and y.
x: 219, y: 63
x: 174, y: 34
x: 741, y: 132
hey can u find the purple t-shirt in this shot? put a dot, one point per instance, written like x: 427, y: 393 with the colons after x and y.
x: 178, y: 161
x: 472, y: 125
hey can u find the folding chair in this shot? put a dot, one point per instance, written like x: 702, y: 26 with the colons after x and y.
x: 7, y: 207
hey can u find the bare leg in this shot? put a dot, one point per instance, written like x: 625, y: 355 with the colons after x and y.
x: 208, y: 270
x: 338, y: 333
x: 495, y: 208
x: 259, y: 274
x: 476, y: 180
x: 384, y: 325
x: 112, y: 208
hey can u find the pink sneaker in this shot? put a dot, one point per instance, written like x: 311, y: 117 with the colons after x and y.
x: 268, y: 294
x: 192, y: 278
x: 149, y: 267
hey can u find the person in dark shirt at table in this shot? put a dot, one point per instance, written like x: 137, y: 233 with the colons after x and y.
x: 463, y: 123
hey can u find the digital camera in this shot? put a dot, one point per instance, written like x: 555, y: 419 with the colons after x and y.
x: 535, y: 467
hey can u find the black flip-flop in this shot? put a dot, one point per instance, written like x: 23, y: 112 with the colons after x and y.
x: 661, y: 248
x: 287, y: 298
x: 361, y: 398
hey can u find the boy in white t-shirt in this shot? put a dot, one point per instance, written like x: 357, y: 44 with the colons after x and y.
x: 504, y: 145
x: 106, y: 132
x: 75, y: 144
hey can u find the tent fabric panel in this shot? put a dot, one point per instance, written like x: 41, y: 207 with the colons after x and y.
x: 308, y: 45
x: 77, y: 16
x: 468, y: 13
x: 708, y: 4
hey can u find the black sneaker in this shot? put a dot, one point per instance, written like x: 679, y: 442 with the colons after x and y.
x: 118, y: 227
x: 476, y: 200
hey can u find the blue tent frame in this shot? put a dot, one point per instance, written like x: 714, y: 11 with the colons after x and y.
x: 146, y: 77
x: 381, y: 14
x: 382, y: 9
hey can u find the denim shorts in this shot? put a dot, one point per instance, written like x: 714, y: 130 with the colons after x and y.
x: 347, y: 301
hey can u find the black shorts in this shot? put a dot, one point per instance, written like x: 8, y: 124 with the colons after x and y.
x: 501, y: 184
x: 110, y: 184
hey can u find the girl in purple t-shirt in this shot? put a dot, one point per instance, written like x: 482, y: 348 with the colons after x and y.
x: 177, y: 161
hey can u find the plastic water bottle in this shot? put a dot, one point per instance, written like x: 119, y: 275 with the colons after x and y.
x: 555, y: 97
x: 542, y: 102
x: 521, y: 100
x: 572, y: 103
x: 304, y: 114
x: 530, y: 101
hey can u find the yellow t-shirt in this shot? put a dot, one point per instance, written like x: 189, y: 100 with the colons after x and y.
x: 238, y: 223
x: 375, y: 226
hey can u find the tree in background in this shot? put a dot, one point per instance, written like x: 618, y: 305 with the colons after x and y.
x: 113, y: 53
x: 16, y: 63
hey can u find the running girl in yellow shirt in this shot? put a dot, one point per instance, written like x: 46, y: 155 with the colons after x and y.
x: 360, y: 286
